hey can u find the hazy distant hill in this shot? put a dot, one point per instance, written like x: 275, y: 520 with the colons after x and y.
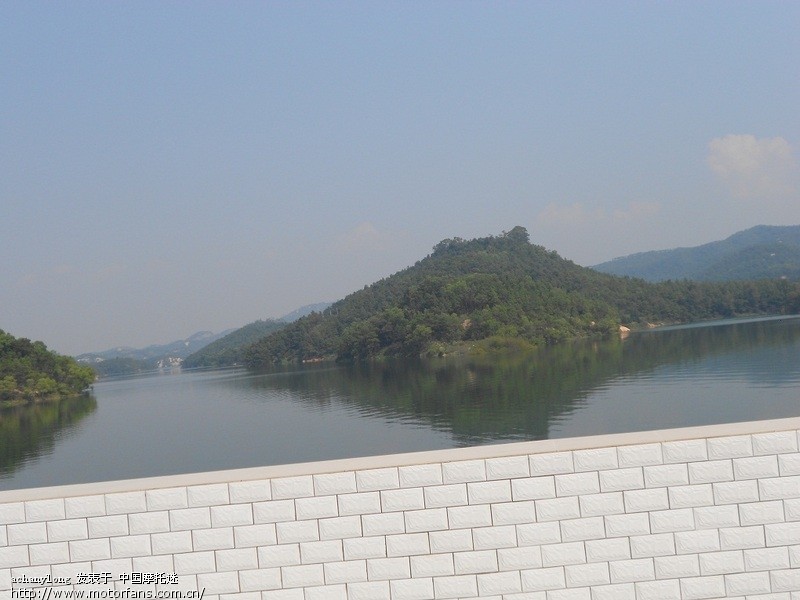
x: 156, y: 352
x: 762, y: 252
x: 227, y: 350
x: 493, y: 290
x: 304, y: 311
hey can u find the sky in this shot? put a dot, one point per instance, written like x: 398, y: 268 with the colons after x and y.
x: 171, y: 167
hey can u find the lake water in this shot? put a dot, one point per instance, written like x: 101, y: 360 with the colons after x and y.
x: 202, y: 421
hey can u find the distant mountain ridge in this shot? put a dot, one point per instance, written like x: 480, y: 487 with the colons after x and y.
x: 761, y: 252
x: 154, y: 352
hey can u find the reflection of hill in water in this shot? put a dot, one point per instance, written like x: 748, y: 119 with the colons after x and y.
x: 27, y: 432
x: 518, y: 397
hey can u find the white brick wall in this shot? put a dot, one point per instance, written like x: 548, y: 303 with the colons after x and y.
x: 684, y: 514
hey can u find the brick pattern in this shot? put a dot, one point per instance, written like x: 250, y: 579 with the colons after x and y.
x: 684, y: 520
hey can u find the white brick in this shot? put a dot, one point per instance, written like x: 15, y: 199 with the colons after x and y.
x: 595, y: 459
x: 696, y: 588
x: 383, y: 524
x: 783, y: 534
x: 646, y: 500
x: 461, y: 517
x: 719, y: 563
x: 574, y: 484
x: 339, y: 528
x: 730, y: 447
x: 218, y: 583
x: 630, y: 571
x: 451, y: 541
x: 27, y: 533
x: 791, y: 509
x: 12, y: 513
x: 499, y: 583
x: 328, y: 484
x: 621, y: 480
x: 435, y: 565
x: 441, y: 496
x: 420, y: 475
x: 778, y: 488
x: 64, y: 531
x: 377, y: 479
x: 787, y: 580
x: 297, y: 531
x: 689, y: 496
x: 273, y: 511
x: 402, y: 499
x: 778, y: 442
x: 464, y: 471
x: 715, y: 517
x: 232, y: 515
x: 130, y: 546
x: 208, y: 495
x: 535, y: 534
x: 85, y: 506
x: 186, y: 518
x: 736, y: 538
x: 503, y: 536
x: 249, y: 491
x: 766, y: 559
x: 712, y: 471
x: 212, y: 539
x: 323, y: 592
x: 572, y: 553
x: 543, y: 579
x: 432, y: 519
x: 166, y: 499
x: 533, y: 488
x: 515, y: 559
x: 512, y: 513
x: 293, y: 594
x: 602, y: 504
x: 359, y: 504
x: 571, y: 594
x: 666, y: 475
x: 44, y: 510
x: 259, y: 579
x: 735, y: 492
x: 789, y: 464
x: 619, y: 591
x: 247, y: 536
x: 194, y: 562
x: 607, y: 550
x: 661, y: 544
x: 49, y: 554
x: 509, y: 467
x: 103, y: 527
x: 321, y: 552
x: 348, y: 571
x: 125, y: 503
x: 284, y: 488
x: 554, y: 463
x: 760, y: 513
x: 589, y: 528
x: 684, y: 451
x: 689, y: 542
x: 365, y: 547
x: 457, y: 586
x: 279, y: 556
x: 755, y: 467
x: 482, y: 561
x: 151, y: 564
x: 484, y: 492
x: 669, y: 589
x: 388, y: 568
x: 82, y: 550
x: 679, y: 519
x: 640, y: 455
x: 302, y: 575
x: 411, y: 589
x: 171, y: 543
x: 368, y: 590
x: 407, y: 544
x: 149, y: 522
x: 627, y: 525
x: 674, y: 567
x: 740, y: 584
x: 587, y: 575
x: 557, y: 509
x: 319, y: 507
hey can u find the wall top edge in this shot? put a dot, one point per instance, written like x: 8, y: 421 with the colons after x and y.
x: 404, y: 459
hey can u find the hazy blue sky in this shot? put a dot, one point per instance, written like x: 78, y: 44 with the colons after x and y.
x: 172, y: 167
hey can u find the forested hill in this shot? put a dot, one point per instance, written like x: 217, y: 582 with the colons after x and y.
x: 501, y: 288
x: 31, y: 372
x: 760, y: 252
x: 228, y: 350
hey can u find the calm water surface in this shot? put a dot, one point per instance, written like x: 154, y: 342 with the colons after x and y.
x: 202, y: 421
